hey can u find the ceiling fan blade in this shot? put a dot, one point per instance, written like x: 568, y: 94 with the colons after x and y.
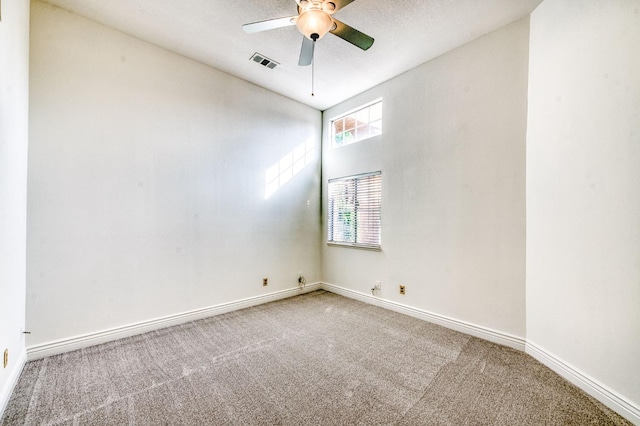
x: 270, y: 24
x: 306, y: 52
x: 341, y: 3
x: 352, y: 35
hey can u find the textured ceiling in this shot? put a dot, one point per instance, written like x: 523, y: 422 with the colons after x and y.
x: 407, y: 33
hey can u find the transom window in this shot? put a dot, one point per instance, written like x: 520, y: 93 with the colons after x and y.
x: 358, y: 125
x: 355, y: 205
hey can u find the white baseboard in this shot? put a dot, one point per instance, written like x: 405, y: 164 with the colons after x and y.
x: 90, y: 339
x: 591, y: 386
x: 454, y: 324
x: 10, y: 384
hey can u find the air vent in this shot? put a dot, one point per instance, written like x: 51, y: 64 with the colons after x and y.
x: 263, y: 60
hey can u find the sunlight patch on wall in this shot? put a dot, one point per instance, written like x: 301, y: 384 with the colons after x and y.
x: 288, y: 166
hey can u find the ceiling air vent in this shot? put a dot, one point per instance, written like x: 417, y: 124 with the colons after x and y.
x: 263, y: 60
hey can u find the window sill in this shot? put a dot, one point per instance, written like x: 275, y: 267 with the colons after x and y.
x: 379, y: 248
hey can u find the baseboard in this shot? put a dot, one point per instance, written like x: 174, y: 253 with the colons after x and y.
x: 90, y: 339
x: 591, y: 386
x: 454, y: 324
x: 10, y: 384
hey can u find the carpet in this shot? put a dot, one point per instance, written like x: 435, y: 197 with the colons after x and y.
x: 314, y: 359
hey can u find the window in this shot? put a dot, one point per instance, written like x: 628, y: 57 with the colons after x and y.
x: 358, y: 125
x: 355, y: 210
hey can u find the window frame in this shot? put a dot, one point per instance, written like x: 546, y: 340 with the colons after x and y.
x: 371, y: 193
x: 354, y: 131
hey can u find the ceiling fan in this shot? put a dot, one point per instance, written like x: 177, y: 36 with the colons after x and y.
x: 314, y: 20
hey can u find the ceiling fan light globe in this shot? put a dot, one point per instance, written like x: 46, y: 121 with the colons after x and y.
x: 314, y: 22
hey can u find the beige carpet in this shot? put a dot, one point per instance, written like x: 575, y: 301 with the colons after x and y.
x: 315, y: 359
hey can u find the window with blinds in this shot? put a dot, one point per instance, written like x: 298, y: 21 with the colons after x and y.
x: 355, y: 205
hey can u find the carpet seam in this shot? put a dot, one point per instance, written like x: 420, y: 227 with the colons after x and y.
x: 435, y: 378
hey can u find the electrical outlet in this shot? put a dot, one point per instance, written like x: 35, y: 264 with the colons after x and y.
x: 402, y: 291
x: 6, y: 358
x: 265, y: 281
x: 378, y: 285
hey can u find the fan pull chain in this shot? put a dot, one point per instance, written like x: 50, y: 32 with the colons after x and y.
x: 313, y: 69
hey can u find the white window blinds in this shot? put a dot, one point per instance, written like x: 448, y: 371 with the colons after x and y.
x: 355, y: 204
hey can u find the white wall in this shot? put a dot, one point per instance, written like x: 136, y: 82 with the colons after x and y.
x: 14, y: 108
x: 452, y: 156
x: 147, y: 183
x: 583, y: 198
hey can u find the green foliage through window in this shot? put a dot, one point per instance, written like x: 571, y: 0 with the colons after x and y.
x: 355, y: 204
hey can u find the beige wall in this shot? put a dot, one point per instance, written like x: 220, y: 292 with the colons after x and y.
x: 147, y: 183
x: 14, y: 106
x: 452, y: 156
x: 583, y: 197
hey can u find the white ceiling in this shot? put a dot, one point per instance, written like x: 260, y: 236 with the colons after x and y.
x: 407, y: 34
